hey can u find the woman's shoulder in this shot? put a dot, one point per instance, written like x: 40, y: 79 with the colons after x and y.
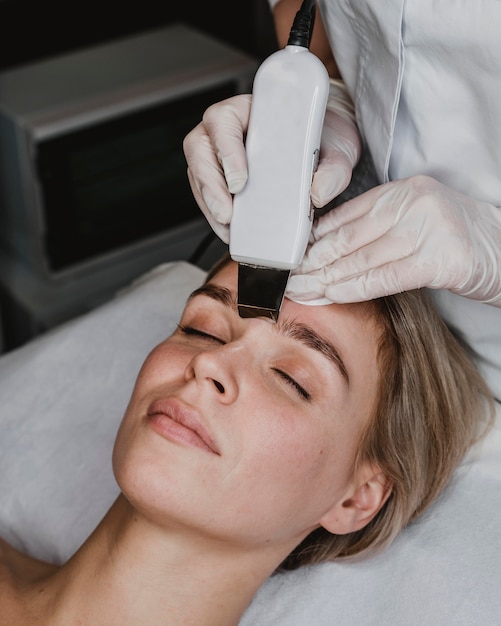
x: 19, y: 574
x: 16, y: 564
x: 10, y: 597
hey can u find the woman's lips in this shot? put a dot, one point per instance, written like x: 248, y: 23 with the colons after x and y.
x: 178, y: 422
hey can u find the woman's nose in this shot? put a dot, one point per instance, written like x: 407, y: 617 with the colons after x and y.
x: 215, y: 370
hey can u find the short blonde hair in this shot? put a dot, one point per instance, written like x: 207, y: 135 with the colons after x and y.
x: 431, y: 408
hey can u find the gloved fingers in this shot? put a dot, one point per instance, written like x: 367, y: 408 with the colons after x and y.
x: 373, y: 236
x: 394, y: 277
x: 217, y: 164
x: 217, y: 219
x: 340, y: 146
x: 206, y: 177
x: 226, y: 123
x: 404, y: 235
x: 378, y: 282
x: 339, y: 99
x: 340, y: 151
x: 390, y: 198
x: 306, y: 287
x: 349, y: 251
x: 387, y: 279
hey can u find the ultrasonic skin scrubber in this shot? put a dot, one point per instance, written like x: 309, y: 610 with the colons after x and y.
x: 273, y: 214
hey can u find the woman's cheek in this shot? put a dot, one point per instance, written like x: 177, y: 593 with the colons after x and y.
x: 165, y: 362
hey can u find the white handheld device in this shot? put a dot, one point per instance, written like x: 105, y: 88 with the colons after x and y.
x: 273, y: 214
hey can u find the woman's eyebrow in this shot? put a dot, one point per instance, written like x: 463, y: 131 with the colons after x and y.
x: 311, y: 339
x: 216, y: 292
x: 289, y: 328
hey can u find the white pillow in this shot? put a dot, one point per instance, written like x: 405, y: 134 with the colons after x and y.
x: 442, y: 570
x: 63, y: 396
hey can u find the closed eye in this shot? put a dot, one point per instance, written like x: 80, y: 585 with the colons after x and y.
x: 189, y: 330
x: 293, y: 383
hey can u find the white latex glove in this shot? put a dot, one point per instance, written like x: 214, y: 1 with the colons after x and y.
x: 403, y: 235
x: 217, y: 163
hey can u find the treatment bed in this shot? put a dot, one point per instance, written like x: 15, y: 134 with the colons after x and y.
x: 62, y: 396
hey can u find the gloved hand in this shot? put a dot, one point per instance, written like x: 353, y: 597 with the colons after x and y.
x: 217, y: 164
x: 403, y: 235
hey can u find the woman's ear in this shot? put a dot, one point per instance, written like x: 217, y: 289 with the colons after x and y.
x: 364, y: 499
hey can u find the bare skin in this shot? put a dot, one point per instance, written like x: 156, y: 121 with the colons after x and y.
x: 199, y: 525
x: 34, y: 592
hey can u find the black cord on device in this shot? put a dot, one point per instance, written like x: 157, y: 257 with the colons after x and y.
x: 302, y: 28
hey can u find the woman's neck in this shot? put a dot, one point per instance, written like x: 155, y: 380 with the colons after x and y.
x: 130, y: 571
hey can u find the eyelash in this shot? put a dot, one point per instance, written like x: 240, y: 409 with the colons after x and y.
x: 189, y: 330
x: 294, y: 384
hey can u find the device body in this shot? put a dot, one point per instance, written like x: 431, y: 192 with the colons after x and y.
x: 273, y: 214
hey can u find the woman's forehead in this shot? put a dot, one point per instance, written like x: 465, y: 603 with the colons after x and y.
x: 350, y: 325
x: 359, y: 311
x: 350, y: 332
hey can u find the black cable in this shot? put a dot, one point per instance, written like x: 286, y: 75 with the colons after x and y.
x: 302, y: 27
x: 300, y: 35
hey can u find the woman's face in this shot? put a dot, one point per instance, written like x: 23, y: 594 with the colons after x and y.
x: 246, y: 429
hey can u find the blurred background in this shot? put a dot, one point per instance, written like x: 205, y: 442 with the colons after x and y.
x: 30, y: 31
x: 95, y: 99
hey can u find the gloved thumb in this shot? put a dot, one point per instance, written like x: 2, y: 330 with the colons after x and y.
x: 340, y: 148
